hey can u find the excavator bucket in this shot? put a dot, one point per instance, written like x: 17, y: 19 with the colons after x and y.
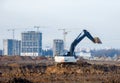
x: 97, y: 40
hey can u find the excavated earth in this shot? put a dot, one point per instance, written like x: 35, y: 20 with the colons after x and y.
x: 44, y: 70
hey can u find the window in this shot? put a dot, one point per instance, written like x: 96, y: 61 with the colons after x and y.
x: 35, y: 49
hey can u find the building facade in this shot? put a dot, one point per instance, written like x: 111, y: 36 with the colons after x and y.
x: 58, y: 47
x: 1, y: 52
x: 31, y: 43
x: 11, y: 47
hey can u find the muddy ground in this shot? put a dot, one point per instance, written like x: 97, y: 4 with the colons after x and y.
x: 44, y: 70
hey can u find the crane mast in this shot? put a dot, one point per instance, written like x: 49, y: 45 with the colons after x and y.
x: 64, y: 36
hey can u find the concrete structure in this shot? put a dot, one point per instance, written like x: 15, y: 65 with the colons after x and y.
x: 58, y: 47
x: 1, y: 52
x: 11, y: 47
x: 31, y: 43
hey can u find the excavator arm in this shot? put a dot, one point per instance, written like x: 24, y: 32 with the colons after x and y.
x: 81, y: 36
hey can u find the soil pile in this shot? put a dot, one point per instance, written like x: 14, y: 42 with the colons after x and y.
x: 62, y: 73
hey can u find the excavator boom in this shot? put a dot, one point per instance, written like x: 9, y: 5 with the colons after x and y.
x: 81, y: 36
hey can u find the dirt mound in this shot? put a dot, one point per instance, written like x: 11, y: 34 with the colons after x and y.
x: 78, y: 72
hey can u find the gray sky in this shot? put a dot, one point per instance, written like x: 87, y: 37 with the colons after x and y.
x: 100, y: 17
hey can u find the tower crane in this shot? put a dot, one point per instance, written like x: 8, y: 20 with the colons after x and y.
x: 64, y: 36
x: 37, y: 27
x: 13, y: 32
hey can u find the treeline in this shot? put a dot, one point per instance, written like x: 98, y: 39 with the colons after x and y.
x: 101, y: 52
x: 106, y: 52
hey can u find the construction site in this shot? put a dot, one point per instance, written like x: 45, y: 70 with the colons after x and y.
x: 61, y: 68
x: 25, y: 69
x: 59, y: 41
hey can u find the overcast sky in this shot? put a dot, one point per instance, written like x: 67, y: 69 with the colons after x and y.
x: 100, y: 17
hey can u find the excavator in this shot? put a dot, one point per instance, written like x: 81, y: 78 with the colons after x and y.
x: 70, y: 57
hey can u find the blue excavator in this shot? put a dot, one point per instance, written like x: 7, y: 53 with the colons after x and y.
x: 70, y: 57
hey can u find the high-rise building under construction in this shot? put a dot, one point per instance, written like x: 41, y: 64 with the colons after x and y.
x: 11, y: 47
x: 31, y: 43
x: 58, y: 47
